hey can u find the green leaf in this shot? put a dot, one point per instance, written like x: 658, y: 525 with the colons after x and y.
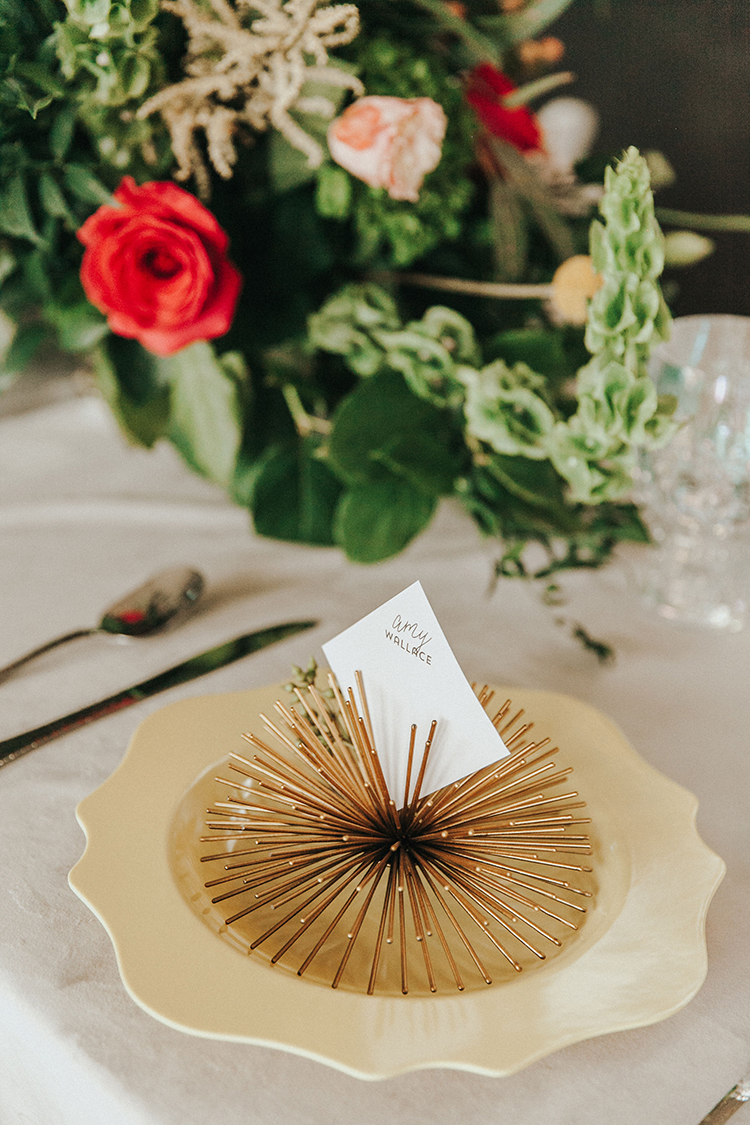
x: 303, y: 248
x: 142, y: 12
x: 134, y: 75
x: 294, y: 496
x: 8, y: 261
x: 376, y: 520
x: 15, y: 214
x: 206, y: 416
x: 33, y: 280
x: 90, y: 11
x: 24, y: 346
x: 541, y: 349
x: 15, y: 95
x: 84, y: 185
x: 534, y: 482
x: 422, y: 461
x: 620, y: 521
x: 500, y: 511
x: 61, y: 133
x: 333, y: 192
x: 375, y: 422
x: 234, y: 365
x: 246, y: 473
x: 53, y: 201
x: 42, y: 76
x: 287, y: 166
x: 139, y: 372
x: 80, y: 327
x: 128, y: 378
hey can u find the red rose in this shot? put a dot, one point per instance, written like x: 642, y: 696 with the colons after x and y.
x: 156, y: 265
x: 485, y: 93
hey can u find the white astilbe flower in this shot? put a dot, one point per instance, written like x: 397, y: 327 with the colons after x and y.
x: 247, y: 65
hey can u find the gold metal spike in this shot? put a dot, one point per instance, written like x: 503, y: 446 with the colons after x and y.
x: 327, y: 872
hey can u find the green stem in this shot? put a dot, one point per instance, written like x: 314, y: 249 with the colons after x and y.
x: 305, y: 423
x: 531, y: 90
x: 497, y: 289
x: 698, y: 221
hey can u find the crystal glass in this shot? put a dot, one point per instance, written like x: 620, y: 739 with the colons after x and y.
x: 696, y: 491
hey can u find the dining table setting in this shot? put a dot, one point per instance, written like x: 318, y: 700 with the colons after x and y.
x: 85, y: 518
x: 374, y: 563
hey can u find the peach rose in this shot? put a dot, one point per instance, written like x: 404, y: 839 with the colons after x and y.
x: 389, y: 142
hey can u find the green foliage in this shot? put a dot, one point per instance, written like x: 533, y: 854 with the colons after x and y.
x: 377, y: 519
x: 79, y: 325
x: 483, y: 37
x: 15, y: 213
x: 109, y: 54
x: 374, y: 429
x: 429, y: 352
x: 513, y: 422
x: 206, y: 415
x: 49, y: 183
x: 294, y: 495
x: 350, y: 324
x: 361, y: 323
x: 288, y: 167
x: 132, y: 383
x: 547, y: 352
x: 532, y: 481
x: 505, y: 409
x: 362, y: 411
x: 520, y: 501
x: 396, y: 454
x: 333, y: 193
x: 420, y: 459
x: 532, y: 190
x: 192, y: 398
x: 527, y: 22
x: 24, y: 346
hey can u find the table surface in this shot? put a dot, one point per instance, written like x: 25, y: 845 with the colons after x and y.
x: 84, y: 518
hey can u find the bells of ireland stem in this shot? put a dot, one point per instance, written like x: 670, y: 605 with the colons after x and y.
x: 618, y: 410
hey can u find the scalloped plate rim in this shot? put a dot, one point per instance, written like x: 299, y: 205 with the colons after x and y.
x: 88, y: 890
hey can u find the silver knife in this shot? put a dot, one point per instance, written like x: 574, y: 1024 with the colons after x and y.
x: 218, y: 657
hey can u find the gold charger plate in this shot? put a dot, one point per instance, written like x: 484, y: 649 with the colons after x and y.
x: 640, y: 957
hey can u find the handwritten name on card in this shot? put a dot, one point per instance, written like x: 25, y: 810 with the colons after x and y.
x: 411, y: 676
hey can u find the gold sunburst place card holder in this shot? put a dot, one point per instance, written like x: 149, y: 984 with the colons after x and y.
x: 322, y: 869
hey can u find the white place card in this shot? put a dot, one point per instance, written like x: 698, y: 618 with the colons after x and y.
x: 411, y: 676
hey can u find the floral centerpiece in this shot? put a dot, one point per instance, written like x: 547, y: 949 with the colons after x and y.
x: 240, y: 211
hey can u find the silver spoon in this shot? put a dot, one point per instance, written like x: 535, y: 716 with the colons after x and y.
x: 138, y: 614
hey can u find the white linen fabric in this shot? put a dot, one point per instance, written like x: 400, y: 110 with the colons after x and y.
x: 84, y: 518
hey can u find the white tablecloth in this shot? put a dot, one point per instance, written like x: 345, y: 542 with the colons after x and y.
x: 83, y: 518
